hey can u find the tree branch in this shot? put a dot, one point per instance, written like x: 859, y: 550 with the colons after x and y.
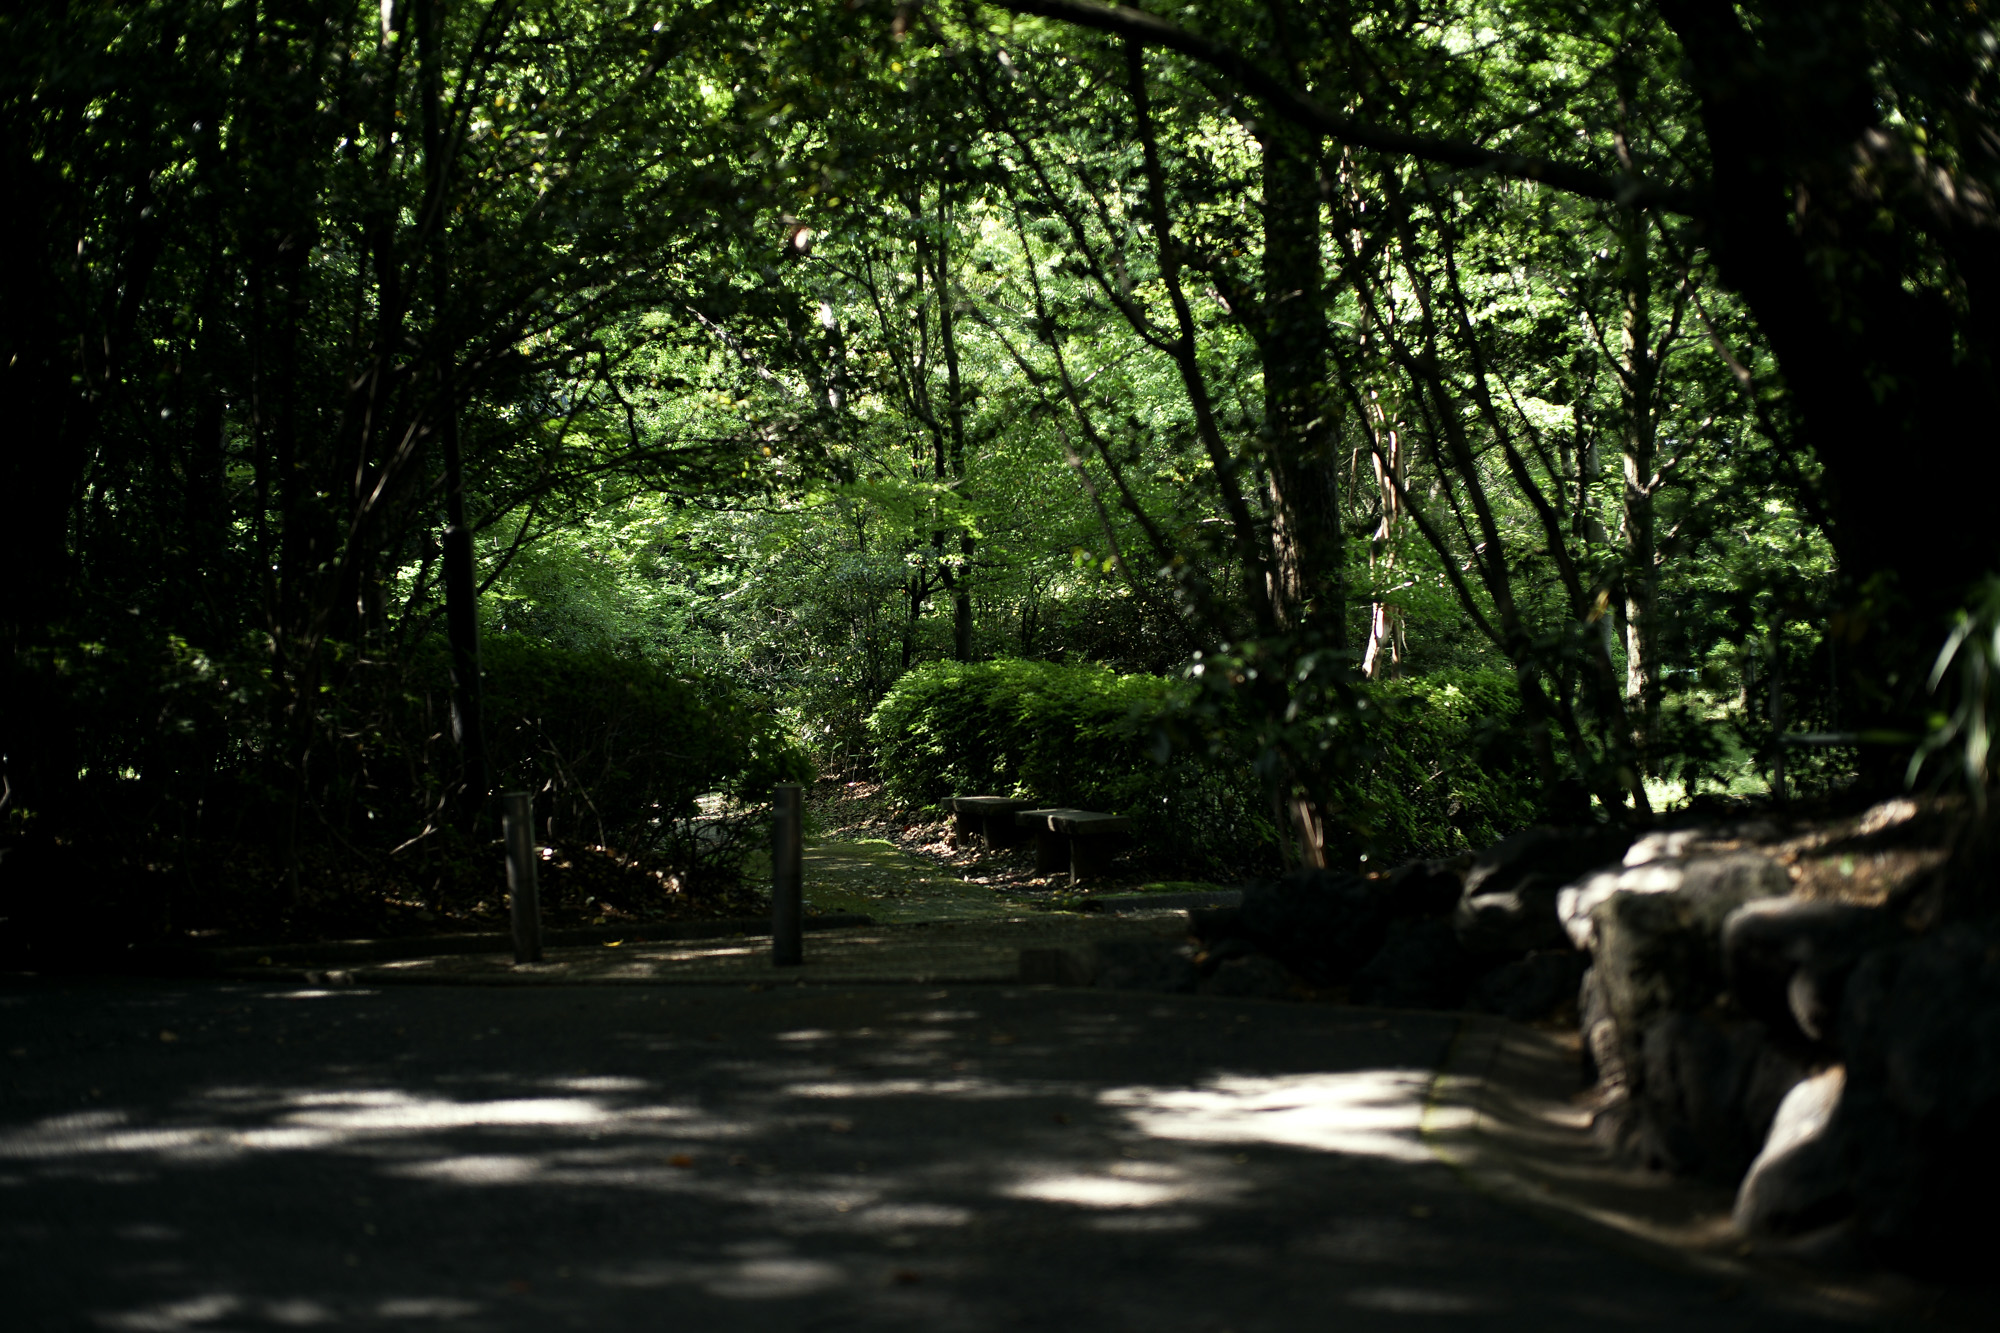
x: 1136, y: 25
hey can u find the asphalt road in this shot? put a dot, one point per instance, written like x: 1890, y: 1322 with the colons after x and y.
x: 207, y: 1156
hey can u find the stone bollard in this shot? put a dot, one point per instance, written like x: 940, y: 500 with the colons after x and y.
x: 524, y: 895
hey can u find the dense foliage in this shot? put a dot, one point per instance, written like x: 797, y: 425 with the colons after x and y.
x: 1078, y: 736
x: 1435, y: 773
x: 1353, y: 364
x: 618, y: 753
x: 1444, y: 771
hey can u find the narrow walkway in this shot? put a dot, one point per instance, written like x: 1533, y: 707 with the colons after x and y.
x: 876, y: 878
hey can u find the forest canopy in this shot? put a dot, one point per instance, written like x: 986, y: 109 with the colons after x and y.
x: 1621, y: 368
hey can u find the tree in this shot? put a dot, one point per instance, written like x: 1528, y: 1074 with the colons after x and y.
x: 1846, y: 193
x: 802, y: 345
x: 260, y: 317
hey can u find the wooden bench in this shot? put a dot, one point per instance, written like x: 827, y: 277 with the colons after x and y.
x: 989, y: 818
x: 1085, y: 841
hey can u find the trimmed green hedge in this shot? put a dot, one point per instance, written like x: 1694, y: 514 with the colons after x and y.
x: 1437, y: 768
x: 1014, y: 727
x: 1068, y: 735
x: 612, y: 743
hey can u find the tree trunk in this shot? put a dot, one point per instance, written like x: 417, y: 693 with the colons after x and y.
x: 41, y: 470
x: 1637, y: 377
x: 961, y: 622
x: 954, y: 412
x: 461, y: 588
x: 1307, y: 596
x: 1303, y: 479
x: 1382, y: 659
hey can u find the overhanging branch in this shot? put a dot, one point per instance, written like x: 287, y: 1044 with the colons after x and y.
x: 1139, y: 26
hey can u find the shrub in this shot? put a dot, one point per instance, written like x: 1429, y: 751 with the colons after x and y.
x: 199, y: 808
x: 1434, y: 767
x: 1032, y: 728
x: 1069, y: 735
x: 622, y: 740
x: 617, y: 751
x: 1445, y: 770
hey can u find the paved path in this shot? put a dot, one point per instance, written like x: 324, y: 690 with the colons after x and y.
x: 874, y: 877
x: 212, y: 1156
x: 943, y: 952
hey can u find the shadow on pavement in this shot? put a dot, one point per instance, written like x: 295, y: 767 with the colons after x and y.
x: 209, y: 1156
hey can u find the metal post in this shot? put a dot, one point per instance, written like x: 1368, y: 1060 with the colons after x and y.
x: 787, y: 876
x: 518, y: 815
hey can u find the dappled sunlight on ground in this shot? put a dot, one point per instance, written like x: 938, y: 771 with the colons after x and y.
x: 1373, y: 1112
x: 959, y: 1159
x: 205, y: 1311
x: 1131, y: 1184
